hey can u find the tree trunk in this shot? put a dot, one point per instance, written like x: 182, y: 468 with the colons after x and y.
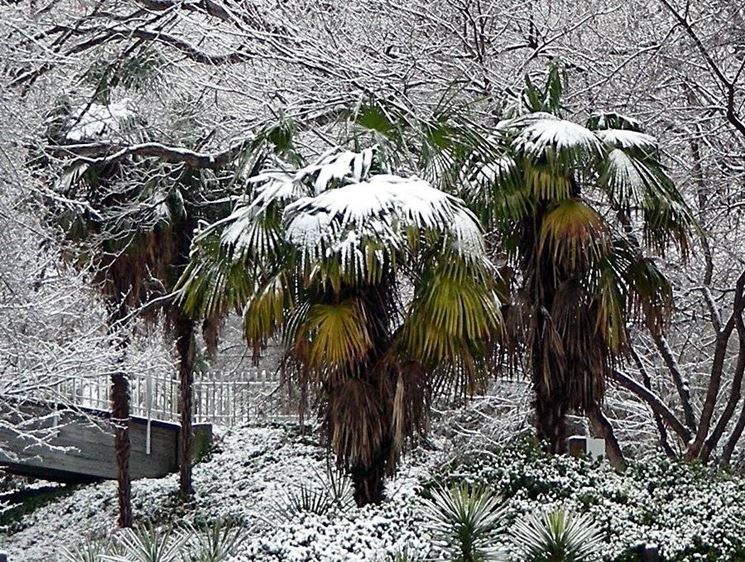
x: 717, y: 367
x: 120, y: 419
x: 734, y: 398
x: 733, y: 438
x: 185, y: 344
x: 551, y: 402
x: 655, y: 403
x: 369, y: 480
x: 681, y: 384
x: 661, y: 429
x: 550, y: 414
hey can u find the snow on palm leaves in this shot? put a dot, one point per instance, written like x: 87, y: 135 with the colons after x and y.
x: 321, y: 255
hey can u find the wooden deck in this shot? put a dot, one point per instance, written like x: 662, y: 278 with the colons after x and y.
x: 81, y: 445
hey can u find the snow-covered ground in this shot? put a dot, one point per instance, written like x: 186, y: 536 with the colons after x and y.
x: 691, y: 514
x: 245, y: 479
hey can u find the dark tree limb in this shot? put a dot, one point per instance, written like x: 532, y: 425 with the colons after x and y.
x: 100, y: 154
x: 729, y: 85
x: 654, y: 402
x: 661, y: 428
x: 681, y: 385
x: 717, y: 368
x: 733, y: 438
x: 734, y: 395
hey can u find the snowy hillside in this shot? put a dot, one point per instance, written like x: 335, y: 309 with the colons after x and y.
x: 253, y: 471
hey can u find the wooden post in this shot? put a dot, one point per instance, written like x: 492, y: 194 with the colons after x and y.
x: 650, y: 553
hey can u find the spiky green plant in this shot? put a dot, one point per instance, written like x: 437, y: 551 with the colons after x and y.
x: 148, y: 543
x: 466, y: 521
x: 214, y: 542
x: 332, y: 492
x: 90, y: 551
x: 557, y: 536
x: 406, y: 554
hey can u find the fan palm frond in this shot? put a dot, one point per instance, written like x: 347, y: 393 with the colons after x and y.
x: 575, y: 235
x: 337, y: 336
x: 612, y: 120
x: 213, y: 284
x: 265, y: 310
x: 454, y: 310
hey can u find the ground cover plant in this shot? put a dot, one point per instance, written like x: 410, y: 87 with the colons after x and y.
x: 691, y: 513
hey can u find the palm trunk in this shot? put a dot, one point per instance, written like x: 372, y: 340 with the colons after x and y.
x: 550, y: 401
x: 120, y: 419
x: 185, y: 344
x: 369, y: 480
x: 550, y: 422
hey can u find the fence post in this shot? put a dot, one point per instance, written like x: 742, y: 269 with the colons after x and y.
x: 3, y: 556
x: 149, y: 407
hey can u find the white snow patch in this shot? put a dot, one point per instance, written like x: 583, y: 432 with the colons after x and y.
x: 98, y: 119
x: 624, y: 138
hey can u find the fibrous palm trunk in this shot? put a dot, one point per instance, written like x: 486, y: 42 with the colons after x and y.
x: 550, y: 400
x: 185, y: 344
x: 550, y: 420
x: 360, y: 407
x: 120, y: 419
x: 369, y: 479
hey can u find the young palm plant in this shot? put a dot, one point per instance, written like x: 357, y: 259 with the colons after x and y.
x: 557, y: 536
x: 148, y: 544
x: 466, y: 521
x: 91, y: 551
x: 332, y: 492
x: 378, y: 284
x: 214, y: 542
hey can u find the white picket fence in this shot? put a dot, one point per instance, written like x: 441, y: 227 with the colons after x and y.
x: 253, y: 396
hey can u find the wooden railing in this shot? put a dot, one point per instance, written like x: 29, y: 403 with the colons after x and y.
x: 253, y: 396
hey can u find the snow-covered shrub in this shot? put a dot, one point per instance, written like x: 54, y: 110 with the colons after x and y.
x: 690, y: 513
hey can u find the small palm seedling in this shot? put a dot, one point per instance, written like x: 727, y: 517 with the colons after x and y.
x: 91, y: 551
x: 332, y: 492
x: 148, y: 544
x: 215, y: 542
x: 466, y: 521
x: 556, y: 536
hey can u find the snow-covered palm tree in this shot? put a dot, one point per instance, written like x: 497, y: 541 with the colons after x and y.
x: 130, y: 224
x: 378, y: 285
x: 573, y: 206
